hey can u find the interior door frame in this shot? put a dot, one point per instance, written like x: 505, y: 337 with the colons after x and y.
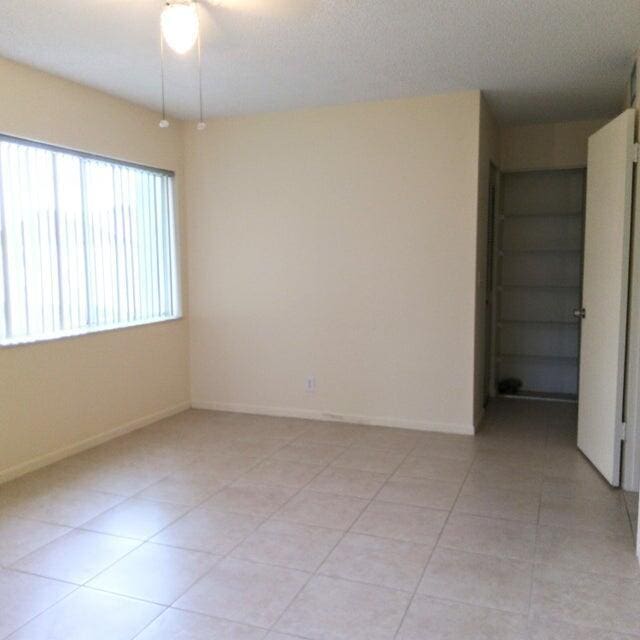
x: 631, y: 447
x: 543, y: 168
x: 492, y: 273
x: 623, y: 390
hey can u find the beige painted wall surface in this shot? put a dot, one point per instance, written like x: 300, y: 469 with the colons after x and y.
x: 560, y: 145
x: 338, y: 243
x: 55, y: 395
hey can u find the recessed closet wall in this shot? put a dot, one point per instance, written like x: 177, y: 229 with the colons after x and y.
x: 540, y: 234
x: 538, y: 257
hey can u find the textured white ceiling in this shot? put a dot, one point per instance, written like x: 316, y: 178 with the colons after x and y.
x: 536, y: 60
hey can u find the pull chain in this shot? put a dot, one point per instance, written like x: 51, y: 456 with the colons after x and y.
x: 201, y: 124
x: 164, y: 123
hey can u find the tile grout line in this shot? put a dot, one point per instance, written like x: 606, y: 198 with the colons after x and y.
x: 221, y: 557
x: 435, y: 546
x: 344, y: 534
x: 258, y: 462
x: 78, y: 587
x: 135, y: 495
x: 140, y: 542
x: 37, y: 615
x: 535, y: 543
x: 273, y: 517
x: 244, y: 538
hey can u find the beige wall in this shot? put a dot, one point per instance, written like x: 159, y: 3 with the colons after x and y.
x: 338, y: 243
x: 61, y: 395
x: 560, y: 145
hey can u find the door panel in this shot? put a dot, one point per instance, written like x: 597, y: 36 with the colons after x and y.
x: 604, y: 297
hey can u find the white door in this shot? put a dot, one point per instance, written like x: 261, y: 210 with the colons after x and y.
x: 604, y: 295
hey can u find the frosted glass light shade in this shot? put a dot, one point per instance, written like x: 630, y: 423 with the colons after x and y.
x: 179, y: 22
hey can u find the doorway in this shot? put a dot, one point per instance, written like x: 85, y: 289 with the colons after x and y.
x: 538, y: 269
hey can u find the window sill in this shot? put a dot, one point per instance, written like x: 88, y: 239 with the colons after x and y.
x: 12, y: 344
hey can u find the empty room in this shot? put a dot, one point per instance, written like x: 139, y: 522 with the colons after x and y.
x: 319, y: 320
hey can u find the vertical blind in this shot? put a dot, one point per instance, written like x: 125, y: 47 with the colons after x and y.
x: 86, y: 244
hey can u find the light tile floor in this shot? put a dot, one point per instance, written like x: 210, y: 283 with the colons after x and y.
x: 214, y: 526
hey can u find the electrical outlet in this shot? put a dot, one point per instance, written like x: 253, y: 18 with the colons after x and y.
x: 310, y: 385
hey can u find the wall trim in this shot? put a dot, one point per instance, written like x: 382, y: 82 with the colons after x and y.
x: 59, y: 454
x: 311, y: 414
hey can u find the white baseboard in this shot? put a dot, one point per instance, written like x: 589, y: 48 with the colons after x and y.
x: 308, y: 414
x: 59, y: 454
x: 54, y: 456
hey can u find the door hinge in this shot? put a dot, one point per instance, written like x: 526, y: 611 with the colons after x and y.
x: 636, y: 152
x: 623, y: 431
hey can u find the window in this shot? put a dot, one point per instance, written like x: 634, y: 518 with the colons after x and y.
x: 86, y: 244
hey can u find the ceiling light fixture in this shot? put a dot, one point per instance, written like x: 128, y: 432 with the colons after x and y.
x: 180, y: 28
x: 180, y: 25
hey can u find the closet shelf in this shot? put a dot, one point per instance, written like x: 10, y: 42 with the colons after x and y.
x: 571, y: 214
x: 507, y: 252
x: 548, y: 287
x: 571, y: 323
x: 528, y: 394
x: 531, y: 356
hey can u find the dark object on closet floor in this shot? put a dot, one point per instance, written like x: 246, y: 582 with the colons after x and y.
x: 509, y: 386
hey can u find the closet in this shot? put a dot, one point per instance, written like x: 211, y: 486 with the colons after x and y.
x: 539, y: 273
